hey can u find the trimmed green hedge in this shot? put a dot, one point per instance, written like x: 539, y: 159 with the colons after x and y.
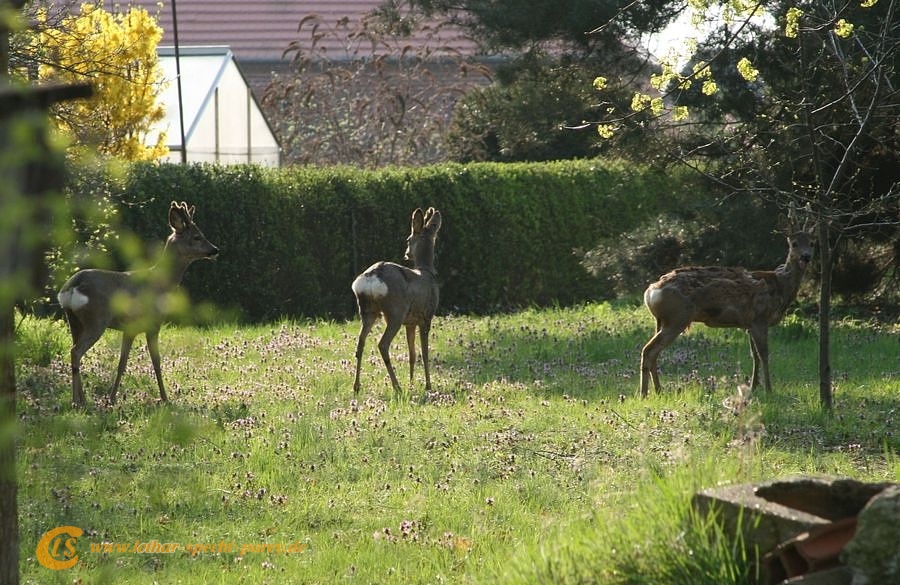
x: 292, y: 240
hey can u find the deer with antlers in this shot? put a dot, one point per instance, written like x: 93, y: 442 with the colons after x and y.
x: 131, y: 302
x: 405, y: 296
x: 724, y: 297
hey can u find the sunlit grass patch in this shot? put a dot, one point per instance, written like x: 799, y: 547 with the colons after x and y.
x: 532, y: 460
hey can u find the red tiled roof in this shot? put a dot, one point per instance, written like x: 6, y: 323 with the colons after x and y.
x: 264, y: 29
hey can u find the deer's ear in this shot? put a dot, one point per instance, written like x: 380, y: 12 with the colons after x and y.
x: 809, y: 225
x: 785, y: 224
x: 434, y: 220
x: 178, y: 218
x: 418, y: 221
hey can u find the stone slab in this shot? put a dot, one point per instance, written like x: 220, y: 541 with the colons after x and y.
x: 762, y: 523
x: 836, y: 576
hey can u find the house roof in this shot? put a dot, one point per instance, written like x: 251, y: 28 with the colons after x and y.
x: 262, y: 30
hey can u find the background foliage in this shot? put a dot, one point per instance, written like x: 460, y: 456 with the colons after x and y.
x: 116, y: 53
x: 293, y: 239
x: 385, y: 101
x: 736, y: 231
x: 402, y: 93
x: 525, y: 114
x: 514, y: 235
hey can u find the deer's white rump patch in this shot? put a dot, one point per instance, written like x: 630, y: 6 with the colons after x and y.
x: 651, y: 296
x: 369, y: 285
x: 72, y: 299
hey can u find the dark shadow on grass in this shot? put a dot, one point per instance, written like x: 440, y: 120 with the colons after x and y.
x: 586, y: 358
x: 864, y: 428
x: 593, y: 360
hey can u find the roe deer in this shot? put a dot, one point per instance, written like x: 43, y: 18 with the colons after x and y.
x: 404, y: 296
x: 724, y: 297
x: 131, y: 302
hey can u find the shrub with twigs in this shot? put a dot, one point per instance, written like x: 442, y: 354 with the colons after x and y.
x: 383, y: 101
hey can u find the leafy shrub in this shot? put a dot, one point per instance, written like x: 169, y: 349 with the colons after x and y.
x: 40, y: 341
x: 540, y: 106
x: 94, y: 226
x: 737, y: 232
x: 389, y: 109
x: 293, y: 239
x: 866, y: 270
x: 524, y: 116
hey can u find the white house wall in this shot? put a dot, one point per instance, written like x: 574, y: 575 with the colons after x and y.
x: 232, y: 112
x: 231, y: 129
x: 224, y: 123
x: 265, y: 148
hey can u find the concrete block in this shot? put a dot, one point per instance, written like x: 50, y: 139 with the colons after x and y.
x: 762, y: 523
x: 823, y: 511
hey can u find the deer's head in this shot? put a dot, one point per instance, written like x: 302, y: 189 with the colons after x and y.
x: 800, y: 248
x: 187, y: 241
x: 423, y: 232
x: 799, y: 235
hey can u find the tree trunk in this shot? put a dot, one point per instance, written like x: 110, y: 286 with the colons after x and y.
x: 826, y: 397
x: 9, y: 517
x: 43, y: 175
x: 9, y: 522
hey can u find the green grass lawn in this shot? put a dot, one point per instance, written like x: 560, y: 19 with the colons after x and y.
x: 532, y: 460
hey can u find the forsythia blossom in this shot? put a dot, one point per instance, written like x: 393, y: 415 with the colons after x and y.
x: 709, y: 87
x: 792, y: 22
x: 680, y: 113
x: 117, y: 53
x: 702, y: 70
x: 606, y: 130
x: 843, y: 29
x: 600, y: 83
x: 667, y: 74
x: 868, y: 3
x: 747, y: 70
x: 640, y: 102
x: 740, y: 8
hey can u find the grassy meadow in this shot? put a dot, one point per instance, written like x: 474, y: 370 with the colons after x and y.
x: 532, y: 461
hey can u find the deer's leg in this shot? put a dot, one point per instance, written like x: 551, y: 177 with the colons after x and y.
x: 368, y: 320
x: 127, y: 340
x: 664, y: 337
x: 75, y: 329
x: 648, y: 368
x: 759, y: 343
x: 424, y: 330
x: 153, y: 348
x: 411, y: 344
x: 754, y: 354
x: 83, y: 339
x: 392, y: 326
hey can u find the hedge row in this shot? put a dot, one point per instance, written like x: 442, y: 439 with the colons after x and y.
x: 292, y: 240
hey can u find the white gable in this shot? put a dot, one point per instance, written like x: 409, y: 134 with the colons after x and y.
x: 222, y: 121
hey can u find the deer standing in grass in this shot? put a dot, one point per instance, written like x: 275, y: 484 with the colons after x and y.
x: 404, y: 296
x: 131, y: 302
x: 724, y: 297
